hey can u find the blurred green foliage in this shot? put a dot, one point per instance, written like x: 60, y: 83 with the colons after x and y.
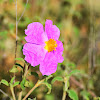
x: 73, y: 18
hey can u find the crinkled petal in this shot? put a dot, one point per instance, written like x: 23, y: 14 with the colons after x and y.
x: 49, y: 64
x: 52, y: 31
x: 59, y: 51
x: 34, y: 54
x: 35, y: 33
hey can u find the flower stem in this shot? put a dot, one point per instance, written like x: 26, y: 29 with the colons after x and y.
x: 24, y: 76
x: 36, y: 85
x: 66, y: 81
x: 64, y: 95
x: 12, y: 91
x: 20, y: 96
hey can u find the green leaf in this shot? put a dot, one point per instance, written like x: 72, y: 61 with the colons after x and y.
x: 57, y: 79
x: 35, y: 74
x: 59, y: 25
x: 16, y: 83
x: 74, y: 72
x: 11, y: 26
x: 34, y: 98
x: 70, y: 64
x: 85, y: 94
x: 29, y: 99
x: 12, y: 80
x: 10, y: 1
x: 27, y: 6
x: 22, y: 84
x: 3, y: 81
x: 19, y: 59
x: 48, y: 86
x: 73, y: 95
x: 3, y: 34
x: 49, y: 97
x: 27, y: 84
x: 14, y: 69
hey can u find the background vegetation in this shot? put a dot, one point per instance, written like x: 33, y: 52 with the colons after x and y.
x: 78, y: 21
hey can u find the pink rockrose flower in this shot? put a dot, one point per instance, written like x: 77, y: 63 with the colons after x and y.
x: 43, y: 46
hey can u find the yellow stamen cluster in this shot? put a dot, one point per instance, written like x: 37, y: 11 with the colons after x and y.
x: 50, y: 45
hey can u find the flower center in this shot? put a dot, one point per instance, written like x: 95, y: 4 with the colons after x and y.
x: 50, y: 45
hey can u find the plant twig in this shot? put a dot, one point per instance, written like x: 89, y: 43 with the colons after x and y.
x: 12, y: 91
x: 24, y: 76
x: 65, y: 88
x: 64, y: 95
x: 17, y: 24
x: 36, y: 85
x: 22, y: 12
x: 79, y: 84
x: 26, y: 70
x: 5, y: 94
x: 20, y: 96
x: 91, y: 52
x: 16, y: 31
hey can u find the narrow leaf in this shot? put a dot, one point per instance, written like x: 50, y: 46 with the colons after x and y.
x: 22, y: 84
x: 19, y: 59
x: 12, y: 80
x: 3, y: 81
x: 16, y: 83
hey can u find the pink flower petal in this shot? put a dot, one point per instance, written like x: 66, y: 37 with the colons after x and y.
x: 34, y: 54
x: 49, y: 64
x: 59, y: 51
x: 52, y: 31
x: 35, y: 33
